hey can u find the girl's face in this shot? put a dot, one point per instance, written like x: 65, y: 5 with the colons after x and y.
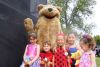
x: 33, y: 40
x: 71, y: 39
x: 84, y: 46
x: 60, y: 40
x: 46, y: 47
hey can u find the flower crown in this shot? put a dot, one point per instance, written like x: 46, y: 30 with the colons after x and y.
x: 60, y: 34
x: 87, y: 37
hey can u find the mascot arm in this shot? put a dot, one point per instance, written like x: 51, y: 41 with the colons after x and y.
x: 36, y: 27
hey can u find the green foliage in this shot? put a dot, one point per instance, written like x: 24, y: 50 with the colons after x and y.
x: 97, y: 39
x: 74, y: 12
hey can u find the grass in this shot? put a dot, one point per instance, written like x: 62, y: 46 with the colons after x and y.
x: 98, y: 61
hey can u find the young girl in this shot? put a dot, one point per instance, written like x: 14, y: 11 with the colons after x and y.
x: 60, y: 59
x: 46, y: 55
x: 87, y: 43
x: 32, y: 51
x: 72, y: 48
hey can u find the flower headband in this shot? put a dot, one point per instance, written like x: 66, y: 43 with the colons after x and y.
x: 60, y: 34
x: 87, y: 37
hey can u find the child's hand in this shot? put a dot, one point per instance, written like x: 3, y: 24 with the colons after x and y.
x: 25, y: 62
x: 66, y: 54
x: 42, y: 62
x: 54, y: 49
x: 30, y: 63
x: 45, y: 59
x: 50, y: 62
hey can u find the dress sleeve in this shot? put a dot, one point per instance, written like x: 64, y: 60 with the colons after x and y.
x: 92, y: 57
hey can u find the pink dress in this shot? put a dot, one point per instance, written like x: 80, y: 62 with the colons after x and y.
x: 31, y: 50
x: 85, y: 60
x: 30, y: 54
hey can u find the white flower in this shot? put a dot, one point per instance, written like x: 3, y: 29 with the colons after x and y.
x: 66, y: 53
x: 45, y: 59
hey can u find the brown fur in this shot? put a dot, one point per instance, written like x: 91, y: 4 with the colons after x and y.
x: 48, y: 24
x: 29, y: 25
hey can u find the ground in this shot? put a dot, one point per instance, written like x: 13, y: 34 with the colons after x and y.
x: 98, y: 61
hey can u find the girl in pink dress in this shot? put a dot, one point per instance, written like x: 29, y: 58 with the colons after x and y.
x: 32, y: 51
x: 87, y: 43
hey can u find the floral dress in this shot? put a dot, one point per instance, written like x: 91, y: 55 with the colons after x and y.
x: 30, y: 54
x: 85, y: 60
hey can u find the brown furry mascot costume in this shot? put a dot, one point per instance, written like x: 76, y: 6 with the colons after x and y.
x: 48, y: 24
x: 28, y: 23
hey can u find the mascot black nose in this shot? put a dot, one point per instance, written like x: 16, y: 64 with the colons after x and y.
x: 50, y: 9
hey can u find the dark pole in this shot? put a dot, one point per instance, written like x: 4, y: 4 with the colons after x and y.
x: 13, y: 38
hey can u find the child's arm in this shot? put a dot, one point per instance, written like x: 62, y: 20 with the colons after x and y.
x: 65, y: 51
x: 25, y: 53
x: 92, y: 57
x: 80, y: 49
x: 37, y: 55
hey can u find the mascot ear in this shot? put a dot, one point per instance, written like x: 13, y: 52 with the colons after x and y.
x: 40, y: 6
x: 59, y: 8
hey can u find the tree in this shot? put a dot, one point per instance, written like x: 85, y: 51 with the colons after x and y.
x: 75, y: 12
x: 97, y: 39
